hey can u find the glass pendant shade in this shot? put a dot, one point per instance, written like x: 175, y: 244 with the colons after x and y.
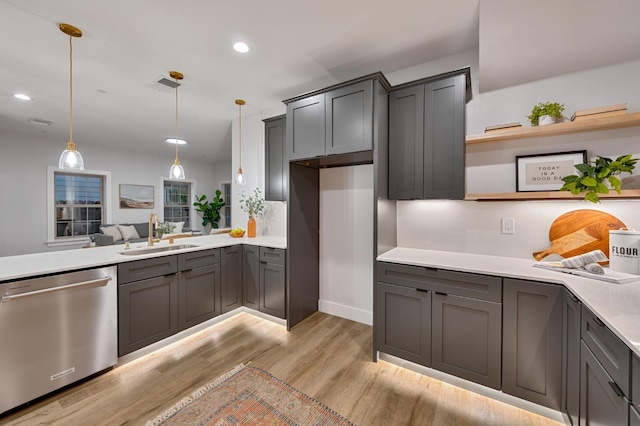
x: 240, y: 177
x: 71, y: 159
x: 177, y: 171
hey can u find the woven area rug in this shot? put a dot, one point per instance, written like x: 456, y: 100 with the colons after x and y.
x: 248, y: 396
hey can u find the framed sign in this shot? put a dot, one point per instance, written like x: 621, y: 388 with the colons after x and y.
x: 544, y: 172
x: 136, y: 196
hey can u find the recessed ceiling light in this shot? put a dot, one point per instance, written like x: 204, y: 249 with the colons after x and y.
x: 176, y: 141
x: 22, y: 96
x: 240, y: 47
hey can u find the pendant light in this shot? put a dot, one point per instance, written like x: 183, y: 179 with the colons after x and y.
x: 70, y: 157
x: 176, y: 171
x: 240, y: 176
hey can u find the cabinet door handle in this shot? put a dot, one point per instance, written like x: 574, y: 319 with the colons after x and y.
x: 430, y: 269
x: 616, y: 388
x: 441, y: 293
x: 598, y: 321
x: 422, y: 290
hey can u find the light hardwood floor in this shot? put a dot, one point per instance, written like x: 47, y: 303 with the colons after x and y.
x: 326, y: 357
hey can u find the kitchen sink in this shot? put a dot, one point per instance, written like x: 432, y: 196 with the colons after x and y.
x: 160, y: 249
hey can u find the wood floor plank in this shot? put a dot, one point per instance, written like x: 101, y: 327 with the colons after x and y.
x: 326, y: 357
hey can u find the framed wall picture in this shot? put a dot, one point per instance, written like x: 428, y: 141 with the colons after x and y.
x: 544, y: 172
x: 136, y: 196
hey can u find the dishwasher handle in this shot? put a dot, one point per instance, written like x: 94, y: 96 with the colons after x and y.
x: 99, y: 281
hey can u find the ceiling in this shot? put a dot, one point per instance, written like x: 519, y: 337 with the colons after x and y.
x: 296, y: 46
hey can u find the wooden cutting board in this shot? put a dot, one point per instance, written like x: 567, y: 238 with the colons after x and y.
x: 580, y: 231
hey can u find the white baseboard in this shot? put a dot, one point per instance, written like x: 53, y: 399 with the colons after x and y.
x: 344, y: 311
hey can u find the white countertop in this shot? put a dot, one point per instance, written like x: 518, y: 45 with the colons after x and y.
x: 617, y: 305
x: 30, y: 265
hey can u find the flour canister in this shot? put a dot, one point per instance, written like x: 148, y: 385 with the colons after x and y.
x: 624, y: 246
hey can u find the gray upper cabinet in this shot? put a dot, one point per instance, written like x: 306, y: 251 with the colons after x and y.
x: 532, y: 341
x: 349, y: 118
x: 339, y: 121
x: 276, y: 178
x: 437, y: 136
x: 571, y: 311
x: 305, y: 133
x: 231, y: 278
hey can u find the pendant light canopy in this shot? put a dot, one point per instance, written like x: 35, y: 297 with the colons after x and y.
x: 176, y: 171
x: 240, y: 176
x: 71, y: 158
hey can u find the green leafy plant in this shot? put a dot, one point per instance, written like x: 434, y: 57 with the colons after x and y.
x: 210, y: 210
x: 552, y: 109
x: 164, y: 228
x: 594, y: 176
x: 253, y: 204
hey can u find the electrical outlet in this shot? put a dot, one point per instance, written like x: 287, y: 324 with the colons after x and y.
x: 508, y: 225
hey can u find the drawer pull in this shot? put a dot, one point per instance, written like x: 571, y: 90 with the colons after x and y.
x: 575, y: 299
x: 616, y: 388
x: 430, y: 269
x: 422, y: 290
x: 598, y: 321
x: 441, y: 293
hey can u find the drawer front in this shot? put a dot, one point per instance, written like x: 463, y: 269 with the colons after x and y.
x: 147, y: 268
x: 610, y: 351
x: 635, y: 381
x: 483, y: 287
x: 197, y: 259
x: 272, y: 255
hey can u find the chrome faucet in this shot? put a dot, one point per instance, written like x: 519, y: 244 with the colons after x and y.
x: 153, y: 219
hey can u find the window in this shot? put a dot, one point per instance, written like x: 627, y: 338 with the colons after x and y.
x: 79, y: 204
x: 177, y: 202
x: 226, y: 195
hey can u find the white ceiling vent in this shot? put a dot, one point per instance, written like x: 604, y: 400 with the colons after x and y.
x: 168, y: 83
x: 39, y: 121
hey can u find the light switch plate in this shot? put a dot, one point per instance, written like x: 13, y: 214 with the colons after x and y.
x: 508, y: 225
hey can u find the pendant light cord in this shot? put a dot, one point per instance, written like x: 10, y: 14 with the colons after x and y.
x: 177, y: 158
x: 240, y: 135
x: 71, y: 144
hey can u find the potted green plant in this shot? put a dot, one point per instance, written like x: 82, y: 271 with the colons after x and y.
x: 553, y: 110
x: 163, y: 228
x: 252, y: 205
x: 594, y: 176
x: 210, y: 210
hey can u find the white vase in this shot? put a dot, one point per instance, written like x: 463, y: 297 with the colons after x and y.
x: 546, y: 119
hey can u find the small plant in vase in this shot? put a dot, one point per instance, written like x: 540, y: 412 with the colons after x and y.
x: 163, y: 228
x: 546, y: 113
x: 253, y: 205
x: 595, y: 175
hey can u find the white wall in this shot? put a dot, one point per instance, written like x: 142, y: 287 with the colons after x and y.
x: 274, y: 220
x: 346, y: 242
x: 474, y: 227
x: 23, y: 184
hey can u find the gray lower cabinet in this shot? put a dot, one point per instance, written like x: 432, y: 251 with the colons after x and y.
x: 427, y: 140
x: 198, y: 295
x: 231, y: 277
x: 275, y: 163
x: 532, y: 341
x: 571, y: 314
x: 264, y: 280
x: 635, y: 380
x: 634, y: 416
x: 467, y: 338
x: 251, y: 277
x: 601, y: 401
x: 305, y: 133
x: 403, y: 318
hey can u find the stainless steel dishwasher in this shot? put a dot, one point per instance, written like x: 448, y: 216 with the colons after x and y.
x: 54, y: 331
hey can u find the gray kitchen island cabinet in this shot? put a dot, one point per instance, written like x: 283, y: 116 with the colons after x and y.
x: 231, y: 277
x: 532, y: 341
x: 275, y: 162
x: 339, y: 121
x: 427, y: 140
x: 571, y: 315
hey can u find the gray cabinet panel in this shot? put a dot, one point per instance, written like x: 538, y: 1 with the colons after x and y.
x: 147, y: 312
x: 231, y: 278
x: 600, y: 403
x: 198, y: 295
x: 272, y: 289
x: 444, y: 138
x: 612, y: 353
x: 146, y: 268
x: 406, y: 149
x: 349, y: 118
x: 251, y: 277
x: 634, y: 416
x: 532, y: 341
x: 571, y: 311
x: 483, y: 287
x: 275, y: 161
x: 466, y: 338
x: 635, y: 379
x: 306, y: 128
x: 197, y: 259
x: 404, y: 322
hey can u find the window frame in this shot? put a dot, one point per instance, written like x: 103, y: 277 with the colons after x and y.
x: 52, y: 240
x: 227, y: 205
x: 192, y: 211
